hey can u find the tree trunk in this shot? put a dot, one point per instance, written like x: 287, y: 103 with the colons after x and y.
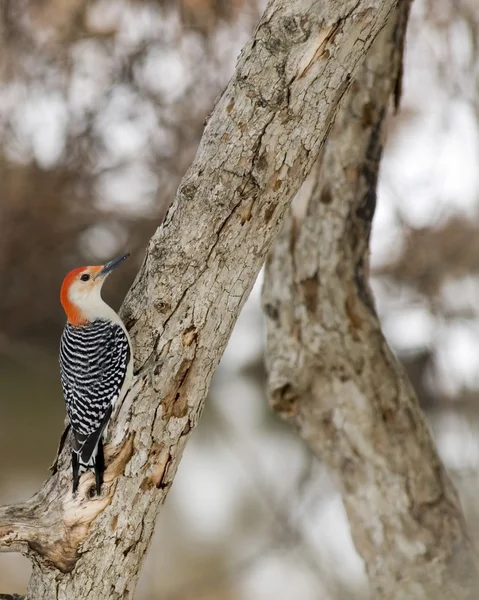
x: 259, y: 145
x: 332, y: 374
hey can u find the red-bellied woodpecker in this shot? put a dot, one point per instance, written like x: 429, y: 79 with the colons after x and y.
x: 96, y: 364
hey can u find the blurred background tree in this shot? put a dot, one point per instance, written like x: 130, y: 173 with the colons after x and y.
x: 102, y: 104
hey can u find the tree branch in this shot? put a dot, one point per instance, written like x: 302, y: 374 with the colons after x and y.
x: 258, y: 146
x: 332, y: 374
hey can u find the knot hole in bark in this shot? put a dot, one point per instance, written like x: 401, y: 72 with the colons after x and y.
x: 284, y: 401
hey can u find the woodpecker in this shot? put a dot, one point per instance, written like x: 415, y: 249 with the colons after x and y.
x: 96, y: 365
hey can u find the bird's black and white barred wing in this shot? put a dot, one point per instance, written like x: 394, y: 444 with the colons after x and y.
x: 93, y: 365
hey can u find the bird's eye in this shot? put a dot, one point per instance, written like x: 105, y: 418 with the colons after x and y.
x: 85, y: 277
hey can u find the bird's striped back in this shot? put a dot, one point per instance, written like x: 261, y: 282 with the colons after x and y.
x: 94, y: 360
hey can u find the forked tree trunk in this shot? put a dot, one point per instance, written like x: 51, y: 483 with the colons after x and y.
x: 332, y: 374
x: 260, y: 143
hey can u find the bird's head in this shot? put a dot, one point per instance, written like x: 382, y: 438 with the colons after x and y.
x: 80, y: 293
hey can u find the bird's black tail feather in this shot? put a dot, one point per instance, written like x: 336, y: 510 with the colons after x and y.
x: 76, y: 471
x: 88, y: 453
x: 99, y: 467
x: 96, y: 463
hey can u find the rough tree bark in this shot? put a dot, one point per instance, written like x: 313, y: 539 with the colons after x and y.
x: 332, y: 374
x: 258, y: 146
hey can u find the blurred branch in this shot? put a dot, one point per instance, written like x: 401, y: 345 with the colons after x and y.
x: 433, y: 255
x: 332, y: 374
x: 261, y: 141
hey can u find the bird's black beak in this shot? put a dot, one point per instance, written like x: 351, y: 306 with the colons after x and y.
x: 113, y: 264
